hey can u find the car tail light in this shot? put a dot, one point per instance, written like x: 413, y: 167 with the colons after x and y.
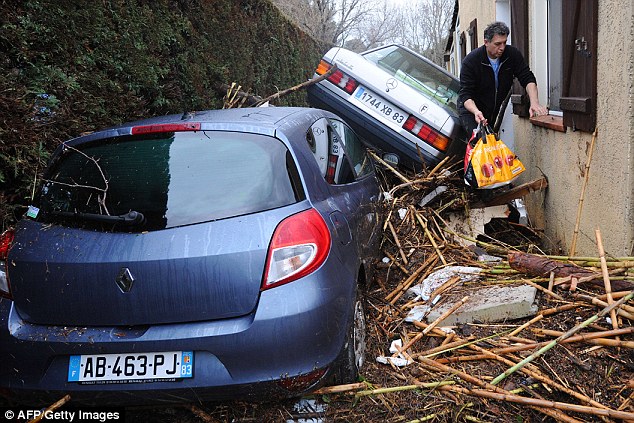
x: 5, y: 244
x: 300, y: 244
x: 166, y: 127
x: 426, y: 133
x: 340, y: 79
x: 332, y: 167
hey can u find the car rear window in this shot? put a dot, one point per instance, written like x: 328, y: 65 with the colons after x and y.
x: 418, y: 73
x: 172, y: 179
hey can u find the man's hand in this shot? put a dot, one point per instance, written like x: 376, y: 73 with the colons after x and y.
x: 535, y: 109
x: 479, y: 118
x: 538, y: 110
x: 471, y: 106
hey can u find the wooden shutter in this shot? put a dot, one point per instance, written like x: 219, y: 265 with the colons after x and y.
x: 463, y: 45
x: 519, y: 39
x: 473, y: 33
x: 579, y: 42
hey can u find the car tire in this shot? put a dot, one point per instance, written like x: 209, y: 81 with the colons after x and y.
x: 352, y: 356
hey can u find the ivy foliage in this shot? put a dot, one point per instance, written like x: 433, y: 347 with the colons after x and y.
x: 68, y: 67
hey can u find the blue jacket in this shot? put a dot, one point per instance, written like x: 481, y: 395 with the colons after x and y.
x: 477, y: 81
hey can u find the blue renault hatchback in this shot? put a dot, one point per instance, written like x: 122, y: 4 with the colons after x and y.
x: 212, y: 255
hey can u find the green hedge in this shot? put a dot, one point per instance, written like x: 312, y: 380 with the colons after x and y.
x: 69, y: 67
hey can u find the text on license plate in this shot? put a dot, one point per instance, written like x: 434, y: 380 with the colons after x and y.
x: 128, y: 367
x: 380, y: 105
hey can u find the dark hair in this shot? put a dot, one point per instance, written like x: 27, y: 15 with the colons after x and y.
x: 495, y: 28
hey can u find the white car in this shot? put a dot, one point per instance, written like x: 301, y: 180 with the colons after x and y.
x: 400, y: 102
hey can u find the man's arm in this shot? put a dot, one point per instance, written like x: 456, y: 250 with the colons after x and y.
x: 536, y: 109
x: 471, y: 106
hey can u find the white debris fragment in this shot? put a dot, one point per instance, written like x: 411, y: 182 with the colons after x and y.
x: 429, y: 197
x: 488, y: 258
x: 402, y: 213
x: 399, y: 360
x: 387, y: 196
x: 437, y: 278
x: 309, y: 407
x: 386, y: 260
x: 417, y: 313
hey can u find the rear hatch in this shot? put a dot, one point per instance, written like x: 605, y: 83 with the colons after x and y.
x: 209, y: 202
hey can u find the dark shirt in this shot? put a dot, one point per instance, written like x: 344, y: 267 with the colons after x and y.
x: 477, y: 81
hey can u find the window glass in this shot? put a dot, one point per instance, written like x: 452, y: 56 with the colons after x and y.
x: 424, y: 76
x: 173, y: 179
x: 354, y: 147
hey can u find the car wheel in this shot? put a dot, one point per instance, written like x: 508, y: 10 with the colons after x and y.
x: 353, y: 355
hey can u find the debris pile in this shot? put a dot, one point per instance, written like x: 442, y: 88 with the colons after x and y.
x: 466, y: 325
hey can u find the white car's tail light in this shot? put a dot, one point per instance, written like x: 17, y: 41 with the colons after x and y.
x: 300, y: 244
x: 5, y: 244
x: 340, y: 79
x: 426, y: 133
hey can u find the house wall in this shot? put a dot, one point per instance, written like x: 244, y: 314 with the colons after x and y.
x: 483, y: 10
x: 608, y: 203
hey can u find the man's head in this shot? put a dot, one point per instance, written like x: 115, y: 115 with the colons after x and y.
x: 495, y: 36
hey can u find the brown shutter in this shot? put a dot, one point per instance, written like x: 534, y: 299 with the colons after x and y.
x: 519, y: 39
x: 473, y: 33
x: 463, y: 45
x: 579, y: 40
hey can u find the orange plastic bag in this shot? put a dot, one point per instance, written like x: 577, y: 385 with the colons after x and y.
x: 490, y: 163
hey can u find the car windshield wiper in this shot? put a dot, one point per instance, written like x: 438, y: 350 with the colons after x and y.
x: 132, y: 218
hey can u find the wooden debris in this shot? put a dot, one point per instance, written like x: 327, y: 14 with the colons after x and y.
x: 543, y: 266
x: 473, y: 370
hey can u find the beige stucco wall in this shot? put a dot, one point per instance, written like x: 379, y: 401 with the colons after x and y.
x: 609, y: 197
x: 483, y: 10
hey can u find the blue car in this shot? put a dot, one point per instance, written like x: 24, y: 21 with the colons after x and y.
x: 212, y: 255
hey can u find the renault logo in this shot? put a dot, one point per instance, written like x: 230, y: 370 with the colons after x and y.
x: 390, y: 84
x: 125, y: 280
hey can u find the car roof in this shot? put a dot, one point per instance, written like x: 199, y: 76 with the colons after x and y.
x: 258, y: 120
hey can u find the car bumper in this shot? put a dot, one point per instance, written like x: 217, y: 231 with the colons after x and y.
x: 371, y: 129
x: 297, y: 329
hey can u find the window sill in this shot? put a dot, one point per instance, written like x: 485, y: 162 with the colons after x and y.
x: 556, y: 123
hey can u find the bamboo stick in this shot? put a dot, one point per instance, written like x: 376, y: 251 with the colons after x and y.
x: 446, y: 314
x: 568, y: 334
x: 586, y: 176
x: 478, y: 382
x: 403, y: 388
x: 396, y: 263
x: 625, y: 311
x: 544, y: 290
x: 571, y: 340
x: 411, y: 278
x: 338, y: 389
x: 540, y: 403
x: 430, y: 327
x: 389, y: 167
x: 535, y: 374
x: 442, y: 348
x: 57, y: 404
x: 398, y: 242
x: 559, y: 309
x: 431, y: 239
x: 527, y: 324
x: 587, y: 336
x: 438, y: 166
x: 606, y: 278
